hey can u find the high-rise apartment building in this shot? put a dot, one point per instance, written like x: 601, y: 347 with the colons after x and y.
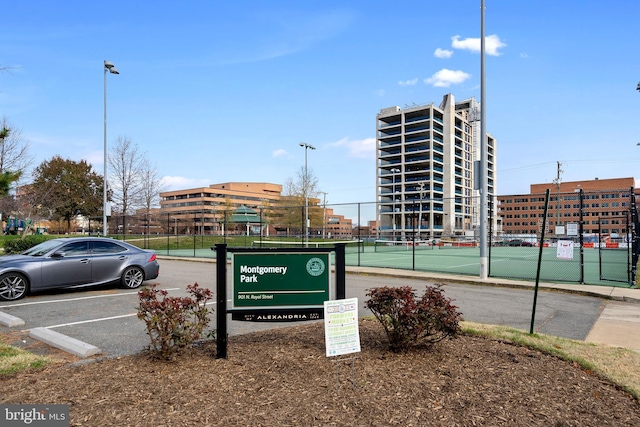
x: 425, y: 170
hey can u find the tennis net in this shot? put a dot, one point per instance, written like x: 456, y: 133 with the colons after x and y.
x: 351, y: 244
x: 401, y: 245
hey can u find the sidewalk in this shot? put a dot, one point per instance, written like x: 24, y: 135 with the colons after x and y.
x: 618, y: 324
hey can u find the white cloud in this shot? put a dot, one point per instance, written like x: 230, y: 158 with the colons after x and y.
x: 361, y: 148
x: 408, y: 82
x: 443, y: 53
x: 172, y: 183
x: 279, y: 152
x: 380, y: 92
x: 445, y: 78
x: 492, y: 44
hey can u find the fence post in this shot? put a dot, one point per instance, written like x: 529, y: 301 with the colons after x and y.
x: 413, y: 246
x: 581, y: 234
x: 491, y: 234
x: 635, y: 239
x: 360, y: 244
x: 221, y: 301
x: 541, y: 248
x: 168, y: 234
x: 340, y: 271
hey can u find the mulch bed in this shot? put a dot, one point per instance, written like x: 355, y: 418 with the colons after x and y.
x: 281, y: 377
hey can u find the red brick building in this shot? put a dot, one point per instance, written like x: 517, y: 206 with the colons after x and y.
x: 605, y: 207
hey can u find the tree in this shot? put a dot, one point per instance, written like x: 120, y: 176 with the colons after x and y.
x: 70, y: 189
x: 227, y: 211
x: 151, y: 186
x: 15, y: 156
x: 290, y: 209
x: 126, y: 166
x: 305, y: 184
x: 14, y: 153
x: 289, y: 213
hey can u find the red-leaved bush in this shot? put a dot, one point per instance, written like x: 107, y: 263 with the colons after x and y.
x: 173, y: 323
x: 410, y: 322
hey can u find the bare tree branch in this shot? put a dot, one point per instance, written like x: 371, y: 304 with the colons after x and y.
x: 15, y: 155
x: 151, y: 186
x: 126, y: 166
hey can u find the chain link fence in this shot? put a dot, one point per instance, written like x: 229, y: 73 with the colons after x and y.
x: 594, y: 237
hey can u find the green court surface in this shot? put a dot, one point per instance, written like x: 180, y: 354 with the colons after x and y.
x: 505, y: 262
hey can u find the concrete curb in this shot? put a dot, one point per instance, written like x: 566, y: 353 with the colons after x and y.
x: 64, y: 343
x: 9, y: 320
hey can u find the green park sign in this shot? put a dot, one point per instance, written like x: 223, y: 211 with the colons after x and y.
x: 281, y: 280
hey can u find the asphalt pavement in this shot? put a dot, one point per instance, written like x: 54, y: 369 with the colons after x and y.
x: 105, y: 317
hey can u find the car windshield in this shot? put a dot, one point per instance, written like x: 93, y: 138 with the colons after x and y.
x: 42, y: 248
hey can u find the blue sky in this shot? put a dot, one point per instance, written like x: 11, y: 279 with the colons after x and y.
x: 219, y: 91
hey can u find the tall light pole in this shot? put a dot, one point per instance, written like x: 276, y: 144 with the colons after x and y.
x: 108, y: 66
x: 484, y: 183
x: 306, y: 192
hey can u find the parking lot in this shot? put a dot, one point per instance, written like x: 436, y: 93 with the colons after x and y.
x: 105, y: 317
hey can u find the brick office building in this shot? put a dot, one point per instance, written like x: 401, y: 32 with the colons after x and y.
x: 605, y: 208
x: 215, y: 210
x: 204, y: 208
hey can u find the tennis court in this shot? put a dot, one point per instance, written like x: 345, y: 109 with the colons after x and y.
x: 504, y: 261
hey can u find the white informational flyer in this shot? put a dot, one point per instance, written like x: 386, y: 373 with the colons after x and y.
x: 341, y: 332
x: 565, y: 249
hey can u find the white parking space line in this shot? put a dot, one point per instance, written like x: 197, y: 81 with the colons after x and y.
x: 90, y: 321
x: 81, y: 322
x: 23, y: 304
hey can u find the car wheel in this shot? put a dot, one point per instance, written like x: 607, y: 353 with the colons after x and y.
x: 132, y: 278
x: 13, y: 286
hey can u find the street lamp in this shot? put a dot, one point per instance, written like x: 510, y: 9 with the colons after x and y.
x: 306, y: 193
x: 108, y: 66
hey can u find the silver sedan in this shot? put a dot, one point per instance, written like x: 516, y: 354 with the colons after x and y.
x: 75, y: 262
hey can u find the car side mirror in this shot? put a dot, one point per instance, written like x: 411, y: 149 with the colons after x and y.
x: 57, y: 255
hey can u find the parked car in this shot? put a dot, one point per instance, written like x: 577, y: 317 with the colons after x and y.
x: 519, y: 242
x: 75, y: 262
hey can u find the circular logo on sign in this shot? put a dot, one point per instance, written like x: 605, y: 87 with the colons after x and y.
x: 315, y: 266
